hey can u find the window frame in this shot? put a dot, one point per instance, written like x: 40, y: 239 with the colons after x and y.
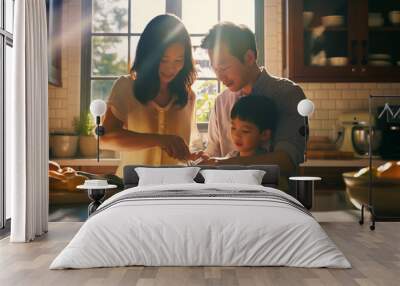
x: 173, y: 7
x: 6, y: 39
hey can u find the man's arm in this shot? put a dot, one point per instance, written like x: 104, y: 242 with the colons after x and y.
x: 213, y: 147
x: 280, y: 158
x: 287, y: 137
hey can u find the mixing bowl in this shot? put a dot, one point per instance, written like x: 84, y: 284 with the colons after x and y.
x: 360, y: 138
x: 385, y: 193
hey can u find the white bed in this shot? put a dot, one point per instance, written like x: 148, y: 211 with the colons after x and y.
x: 184, y: 230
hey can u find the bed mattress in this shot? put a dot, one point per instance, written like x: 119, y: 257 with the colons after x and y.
x: 201, y: 225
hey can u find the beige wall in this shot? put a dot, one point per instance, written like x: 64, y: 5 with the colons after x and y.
x: 64, y: 102
x: 330, y: 99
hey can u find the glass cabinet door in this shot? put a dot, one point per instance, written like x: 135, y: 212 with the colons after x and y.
x: 383, y: 43
x: 326, y: 34
x: 324, y: 41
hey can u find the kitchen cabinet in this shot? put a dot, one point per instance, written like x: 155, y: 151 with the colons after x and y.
x: 342, y: 40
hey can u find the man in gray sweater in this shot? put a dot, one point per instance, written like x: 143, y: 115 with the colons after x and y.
x: 233, y: 54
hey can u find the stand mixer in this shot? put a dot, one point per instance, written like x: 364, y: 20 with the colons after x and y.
x: 354, y: 134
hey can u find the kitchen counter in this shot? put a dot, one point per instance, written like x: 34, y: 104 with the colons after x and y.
x: 71, y: 162
x: 359, y: 162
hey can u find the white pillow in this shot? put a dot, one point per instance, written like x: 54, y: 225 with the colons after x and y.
x: 163, y: 176
x: 249, y: 177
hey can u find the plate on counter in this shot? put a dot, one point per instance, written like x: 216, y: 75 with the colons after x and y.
x: 380, y: 63
x: 379, y: 57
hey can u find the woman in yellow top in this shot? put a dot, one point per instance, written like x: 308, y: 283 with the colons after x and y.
x: 150, y: 113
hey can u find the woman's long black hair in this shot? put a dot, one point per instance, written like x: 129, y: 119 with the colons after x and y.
x: 159, y: 34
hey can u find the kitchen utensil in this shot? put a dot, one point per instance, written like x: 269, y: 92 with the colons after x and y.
x: 360, y: 138
x: 346, y: 121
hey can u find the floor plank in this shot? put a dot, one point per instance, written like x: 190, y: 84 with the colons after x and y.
x: 375, y: 257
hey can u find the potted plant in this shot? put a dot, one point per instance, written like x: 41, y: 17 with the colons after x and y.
x: 87, y: 140
x: 63, y: 144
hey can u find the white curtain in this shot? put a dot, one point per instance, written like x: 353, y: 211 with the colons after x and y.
x: 27, y: 124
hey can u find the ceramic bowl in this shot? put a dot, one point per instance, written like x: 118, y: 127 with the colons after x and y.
x: 332, y: 21
x: 338, y: 61
x: 307, y: 18
x: 394, y: 17
x: 64, y: 146
x: 386, y: 193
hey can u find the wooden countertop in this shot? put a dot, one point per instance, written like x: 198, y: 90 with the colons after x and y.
x: 86, y: 161
x: 361, y: 162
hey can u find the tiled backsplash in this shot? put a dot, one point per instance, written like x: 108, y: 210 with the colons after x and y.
x: 330, y: 99
x: 64, y: 102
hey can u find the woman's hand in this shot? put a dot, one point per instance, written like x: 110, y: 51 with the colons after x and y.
x: 174, y: 146
x: 210, y: 162
x: 198, y: 155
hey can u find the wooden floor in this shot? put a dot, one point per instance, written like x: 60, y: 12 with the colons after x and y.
x: 374, y: 255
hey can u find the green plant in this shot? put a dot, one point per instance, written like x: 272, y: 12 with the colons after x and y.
x: 85, y: 125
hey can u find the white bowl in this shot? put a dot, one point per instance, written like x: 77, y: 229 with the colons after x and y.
x: 379, y: 57
x: 307, y: 18
x: 332, y: 21
x: 338, y: 61
x: 379, y: 63
x: 394, y: 17
x: 96, y: 183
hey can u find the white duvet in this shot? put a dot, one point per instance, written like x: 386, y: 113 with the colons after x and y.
x: 200, y: 231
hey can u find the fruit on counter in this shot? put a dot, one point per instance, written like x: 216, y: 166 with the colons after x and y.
x: 364, y: 173
x: 389, y: 170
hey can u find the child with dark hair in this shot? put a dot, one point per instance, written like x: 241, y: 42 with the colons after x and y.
x: 253, y: 122
x: 233, y: 56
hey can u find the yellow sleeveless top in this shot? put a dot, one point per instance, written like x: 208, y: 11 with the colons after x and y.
x: 149, y: 118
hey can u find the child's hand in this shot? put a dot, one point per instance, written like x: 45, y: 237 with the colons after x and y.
x: 198, y: 155
x: 210, y: 162
x: 197, y: 158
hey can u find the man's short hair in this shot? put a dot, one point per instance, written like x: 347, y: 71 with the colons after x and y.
x: 257, y: 109
x: 238, y: 38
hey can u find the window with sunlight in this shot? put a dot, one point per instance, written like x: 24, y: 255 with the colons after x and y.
x: 117, y: 25
x: 6, y: 60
